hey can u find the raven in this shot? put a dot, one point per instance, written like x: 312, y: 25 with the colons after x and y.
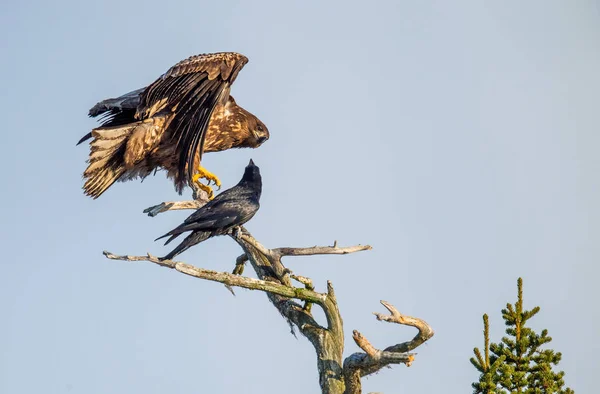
x: 228, y: 210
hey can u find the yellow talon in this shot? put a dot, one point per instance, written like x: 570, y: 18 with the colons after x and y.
x: 207, y: 189
x: 203, y: 173
x: 209, y: 176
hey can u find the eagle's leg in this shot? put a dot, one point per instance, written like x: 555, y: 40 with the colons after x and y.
x: 203, y: 173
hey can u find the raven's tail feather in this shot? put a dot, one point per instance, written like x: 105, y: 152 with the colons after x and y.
x: 173, y: 233
x: 176, y: 232
x: 191, y: 240
x: 163, y: 236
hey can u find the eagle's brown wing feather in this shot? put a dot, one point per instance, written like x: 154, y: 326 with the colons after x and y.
x: 190, y: 91
x: 165, y: 124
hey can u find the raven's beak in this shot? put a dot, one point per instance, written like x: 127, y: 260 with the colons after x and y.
x: 251, y: 163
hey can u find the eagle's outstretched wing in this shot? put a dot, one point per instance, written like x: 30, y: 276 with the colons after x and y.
x: 165, y: 125
x: 190, y: 91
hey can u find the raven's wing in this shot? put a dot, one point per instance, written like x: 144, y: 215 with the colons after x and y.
x: 224, y: 200
x: 223, y: 216
x: 219, y: 216
x: 207, y: 226
x: 190, y: 90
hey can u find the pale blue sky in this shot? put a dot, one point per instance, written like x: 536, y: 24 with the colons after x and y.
x: 460, y: 139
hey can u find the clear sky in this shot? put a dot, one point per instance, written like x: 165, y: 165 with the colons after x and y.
x: 460, y: 139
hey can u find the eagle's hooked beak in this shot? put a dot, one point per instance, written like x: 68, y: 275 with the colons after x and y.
x: 260, y: 138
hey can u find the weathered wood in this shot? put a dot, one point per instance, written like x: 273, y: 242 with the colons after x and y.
x: 174, y: 206
x: 372, y: 360
x: 227, y: 278
x: 336, y: 376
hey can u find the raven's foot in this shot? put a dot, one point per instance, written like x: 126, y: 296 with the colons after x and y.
x: 237, y: 232
x: 203, y: 173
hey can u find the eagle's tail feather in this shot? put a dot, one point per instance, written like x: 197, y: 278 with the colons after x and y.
x: 106, y: 162
x: 102, y: 180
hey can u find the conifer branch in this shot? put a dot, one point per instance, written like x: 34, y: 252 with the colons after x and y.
x: 486, y: 336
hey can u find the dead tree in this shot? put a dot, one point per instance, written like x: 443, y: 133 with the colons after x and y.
x: 336, y: 375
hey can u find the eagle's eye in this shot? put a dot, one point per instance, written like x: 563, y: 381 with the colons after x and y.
x: 259, y: 128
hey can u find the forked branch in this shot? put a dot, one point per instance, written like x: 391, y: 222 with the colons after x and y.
x: 425, y: 330
x: 372, y: 360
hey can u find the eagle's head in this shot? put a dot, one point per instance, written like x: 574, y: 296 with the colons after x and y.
x: 252, y: 130
x: 259, y: 131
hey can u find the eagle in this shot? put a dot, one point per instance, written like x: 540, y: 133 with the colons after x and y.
x: 230, y: 209
x: 169, y: 124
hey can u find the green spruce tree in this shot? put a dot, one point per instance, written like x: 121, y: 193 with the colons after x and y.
x: 518, y: 364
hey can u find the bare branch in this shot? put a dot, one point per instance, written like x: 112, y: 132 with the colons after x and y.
x: 240, y: 264
x: 315, y: 250
x: 200, y: 198
x: 228, y: 279
x: 174, y: 206
x: 307, y: 282
x: 372, y: 360
x: 332, y: 313
x: 381, y: 356
x: 148, y: 257
x: 365, y: 345
x: 425, y: 330
x: 248, y: 238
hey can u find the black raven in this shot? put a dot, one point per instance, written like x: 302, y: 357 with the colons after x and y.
x: 228, y: 210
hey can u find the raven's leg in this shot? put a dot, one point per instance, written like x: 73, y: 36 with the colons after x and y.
x: 203, y: 173
x: 237, y: 232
